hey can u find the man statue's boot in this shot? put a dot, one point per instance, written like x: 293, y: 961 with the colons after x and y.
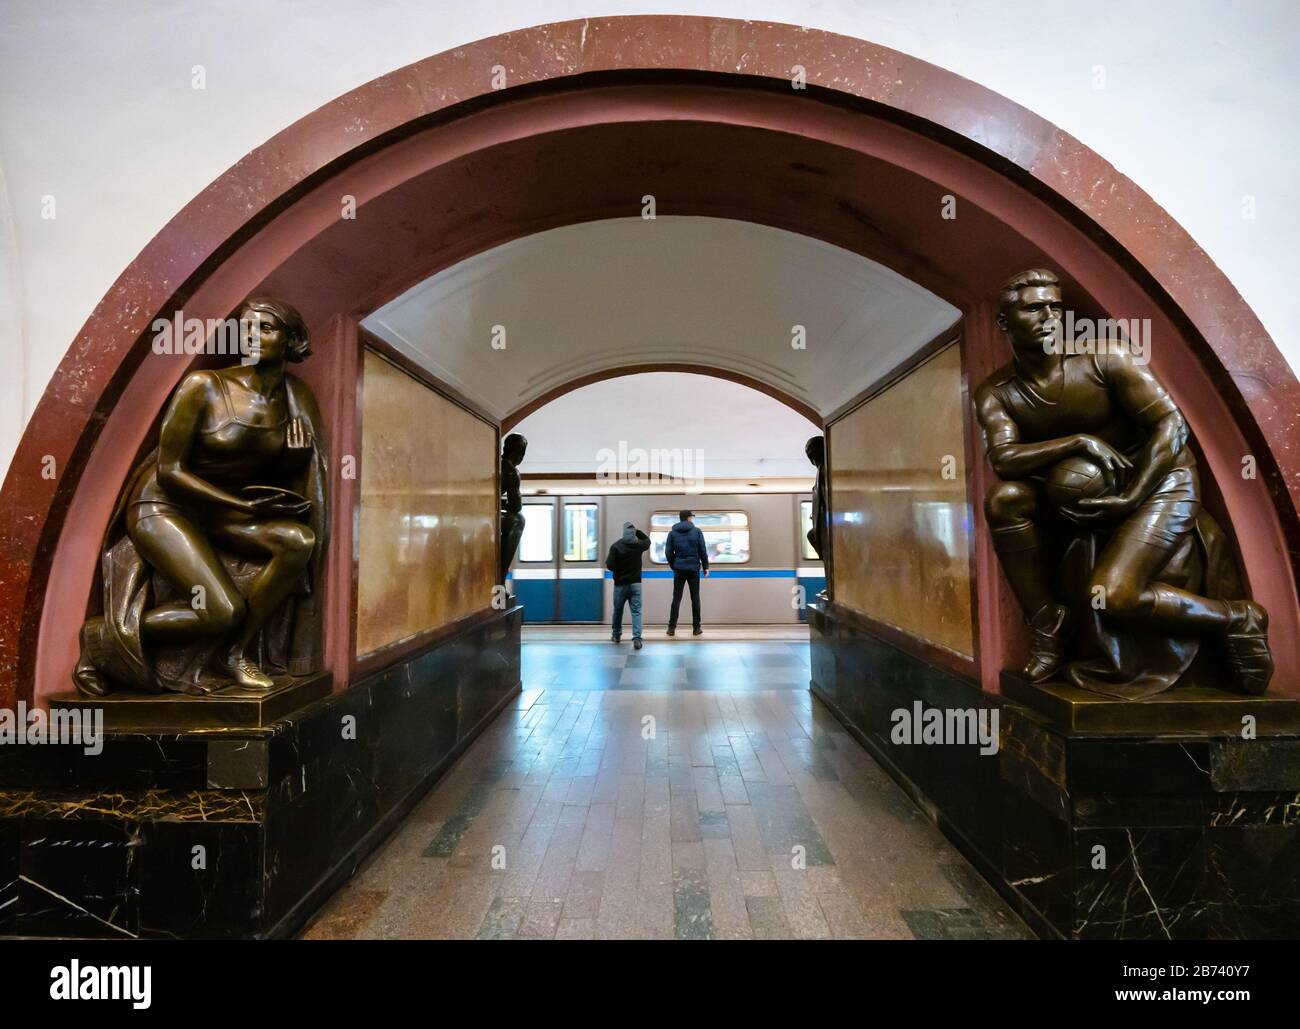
x: 1245, y: 632
x: 1021, y: 558
x: 1048, y: 631
x: 1248, y: 653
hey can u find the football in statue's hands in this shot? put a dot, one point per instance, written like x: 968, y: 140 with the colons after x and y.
x: 1073, y: 479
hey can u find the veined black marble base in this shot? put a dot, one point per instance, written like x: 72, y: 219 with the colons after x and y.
x: 1090, y: 834
x: 234, y: 707
x: 276, y: 817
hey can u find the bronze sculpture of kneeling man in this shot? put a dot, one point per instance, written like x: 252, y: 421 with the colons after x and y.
x: 212, y: 562
x: 1096, y: 468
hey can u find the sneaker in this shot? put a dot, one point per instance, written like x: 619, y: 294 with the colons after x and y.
x: 697, y: 632
x: 672, y: 632
x: 636, y: 643
x: 1047, y: 642
x: 1248, y: 653
x: 616, y: 639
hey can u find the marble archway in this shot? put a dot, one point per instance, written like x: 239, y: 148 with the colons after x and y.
x: 443, y: 165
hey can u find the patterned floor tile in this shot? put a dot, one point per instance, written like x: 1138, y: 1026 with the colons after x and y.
x: 692, y: 790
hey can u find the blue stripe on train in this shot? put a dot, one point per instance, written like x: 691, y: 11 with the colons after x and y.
x: 812, y: 585
x: 537, y: 596
x: 580, y: 600
x: 723, y: 573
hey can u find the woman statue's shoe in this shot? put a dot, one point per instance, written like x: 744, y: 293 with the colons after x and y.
x: 247, y: 674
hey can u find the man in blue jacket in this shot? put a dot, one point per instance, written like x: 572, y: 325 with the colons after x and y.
x: 688, y: 557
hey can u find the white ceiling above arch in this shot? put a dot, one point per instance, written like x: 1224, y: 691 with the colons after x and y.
x: 513, y: 323
x: 694, y: 427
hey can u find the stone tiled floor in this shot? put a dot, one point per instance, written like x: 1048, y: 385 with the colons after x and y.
x: 690, y: 791
x: 666, y: 665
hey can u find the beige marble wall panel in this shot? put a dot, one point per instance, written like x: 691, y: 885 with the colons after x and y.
x: 428, y: 509
x: 901, y: 528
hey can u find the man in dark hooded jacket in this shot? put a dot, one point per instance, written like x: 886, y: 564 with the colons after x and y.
x: 624, y: 561
x: 688, y: 557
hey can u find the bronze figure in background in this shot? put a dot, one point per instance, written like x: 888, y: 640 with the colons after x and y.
x: 212, y: 563
x: 1097, y: 521
x: 815, y: 448
x: 513, y: 448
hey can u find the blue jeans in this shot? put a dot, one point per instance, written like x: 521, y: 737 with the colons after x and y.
x: 631, y: 593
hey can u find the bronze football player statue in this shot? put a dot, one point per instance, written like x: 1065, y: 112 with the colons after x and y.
x: 1097, y: 521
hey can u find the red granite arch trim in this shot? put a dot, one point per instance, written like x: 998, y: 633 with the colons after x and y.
x: 104, y: 356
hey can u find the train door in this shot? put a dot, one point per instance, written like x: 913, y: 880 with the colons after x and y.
x: 581, y: 594
x: 533, y: 574
x: 810, y: 571
x: 558, y: 573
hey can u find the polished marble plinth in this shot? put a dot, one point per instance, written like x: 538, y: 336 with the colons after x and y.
x: 1089, y: 827
x: 1194, y: 709
x: 239, y: 832
x: 234, y: 707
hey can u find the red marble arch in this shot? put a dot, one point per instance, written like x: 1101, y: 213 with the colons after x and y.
x: 700, y: 112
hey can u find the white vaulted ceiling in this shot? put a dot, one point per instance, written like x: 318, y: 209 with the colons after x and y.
x: 727, y: 432
x: 601, y: 295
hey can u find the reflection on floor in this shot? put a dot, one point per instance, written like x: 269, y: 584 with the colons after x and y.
x: 793, y: 632
x: 674, y: 664
x: 690, y: 791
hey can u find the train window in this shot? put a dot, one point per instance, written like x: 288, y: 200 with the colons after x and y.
x: 579, y: 532
x: 726, y: 535
x: 805, y: 527
x: 538, y: 540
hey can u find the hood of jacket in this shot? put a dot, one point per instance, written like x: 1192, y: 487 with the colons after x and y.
x: 683, y: 527
x: 629, y: 532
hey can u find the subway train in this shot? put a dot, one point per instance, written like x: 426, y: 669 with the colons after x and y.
x: 761, y: 567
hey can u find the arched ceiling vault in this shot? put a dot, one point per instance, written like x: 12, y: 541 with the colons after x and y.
x: 517, y: 322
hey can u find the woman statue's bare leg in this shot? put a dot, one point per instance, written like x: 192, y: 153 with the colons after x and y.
x: 289, y: 546
x: 211, y: 604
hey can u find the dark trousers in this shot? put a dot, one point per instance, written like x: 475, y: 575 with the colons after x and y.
x: 680, y: 579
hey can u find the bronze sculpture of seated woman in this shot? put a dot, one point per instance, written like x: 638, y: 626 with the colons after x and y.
x: 211, y: 566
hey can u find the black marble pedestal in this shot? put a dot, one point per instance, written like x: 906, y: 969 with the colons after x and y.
x: 1165, y: 833
x: 240, y: 832
x: 1177, y: 823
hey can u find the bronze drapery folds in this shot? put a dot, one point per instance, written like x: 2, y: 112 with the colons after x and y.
x: 212, y: 563
x: 1097, y: 517
x: 513, y: 448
